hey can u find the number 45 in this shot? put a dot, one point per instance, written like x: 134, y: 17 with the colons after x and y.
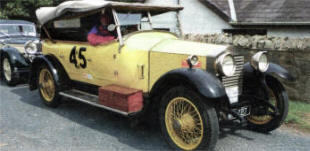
x: 72, y: 57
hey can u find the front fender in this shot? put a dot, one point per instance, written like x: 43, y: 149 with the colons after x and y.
x: 254, y: 81
x: 35, y: 65
x: 274, y: 70
x: 277, y: 70
x: 16, y: 58
x: 205, y: 83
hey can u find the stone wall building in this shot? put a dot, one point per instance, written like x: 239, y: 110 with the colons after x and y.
x: 281, y: 27
x: 291, y: 53
x: 276, y: 18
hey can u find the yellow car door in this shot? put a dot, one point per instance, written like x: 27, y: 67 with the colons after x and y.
x: 132, y: 68
x: 101, y: 63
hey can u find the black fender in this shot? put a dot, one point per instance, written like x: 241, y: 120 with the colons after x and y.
x: 35, y: 65
x: 254, y: 81
x: 17, y: 59
x: 205, y: 83
x: 277, y: 70
x: 274, y: 70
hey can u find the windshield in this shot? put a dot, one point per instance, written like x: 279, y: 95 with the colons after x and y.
x: 17, y: 30
x: 129, y: 19
x: 130, y: 22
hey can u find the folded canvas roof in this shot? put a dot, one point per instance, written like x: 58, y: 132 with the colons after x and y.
x: 45, y: 14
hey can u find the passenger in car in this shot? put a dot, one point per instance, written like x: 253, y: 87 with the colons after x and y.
x: 99, y: 34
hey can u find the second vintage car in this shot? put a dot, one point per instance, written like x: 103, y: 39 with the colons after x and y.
x: 16, y: 37
x: 192, y: 87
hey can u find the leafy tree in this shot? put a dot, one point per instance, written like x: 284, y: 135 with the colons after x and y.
x: 24, y: 9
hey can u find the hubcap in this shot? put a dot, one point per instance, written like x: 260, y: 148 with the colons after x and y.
x: 46, y: 83
x: 184, y: 123
x: 7, y: 69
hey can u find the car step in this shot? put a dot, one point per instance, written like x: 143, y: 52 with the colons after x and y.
x: 89, y: 99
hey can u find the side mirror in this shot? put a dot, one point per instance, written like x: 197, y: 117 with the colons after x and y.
x: 111, y: 27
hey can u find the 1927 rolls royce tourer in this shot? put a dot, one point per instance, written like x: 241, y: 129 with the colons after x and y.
x: 193, y: 87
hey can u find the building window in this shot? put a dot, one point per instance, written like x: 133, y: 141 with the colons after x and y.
x: 246, y: 31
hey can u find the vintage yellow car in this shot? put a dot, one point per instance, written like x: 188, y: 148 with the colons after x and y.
x: 191, y: 88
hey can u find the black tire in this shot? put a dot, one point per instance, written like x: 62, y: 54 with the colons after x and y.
x: 282, y: 106
x: 55, y: 100
x: 11, y: 80
x: 207, y: 113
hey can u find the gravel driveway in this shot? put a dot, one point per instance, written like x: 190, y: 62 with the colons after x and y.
x: 27, y: 125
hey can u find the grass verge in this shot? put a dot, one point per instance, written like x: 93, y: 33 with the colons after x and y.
x: 299, y: 116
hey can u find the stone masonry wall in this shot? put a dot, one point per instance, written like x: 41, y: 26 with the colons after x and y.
x: 292, y: 54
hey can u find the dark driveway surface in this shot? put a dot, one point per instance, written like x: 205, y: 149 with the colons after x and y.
x: 27, y: 125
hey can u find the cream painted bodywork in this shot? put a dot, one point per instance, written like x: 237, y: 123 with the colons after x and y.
x: 143, y: 59
x: 105, y: 65
x: 177, y: 46
x: 19, y: 47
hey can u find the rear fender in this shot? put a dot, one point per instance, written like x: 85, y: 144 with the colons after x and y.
x: 34, y: 69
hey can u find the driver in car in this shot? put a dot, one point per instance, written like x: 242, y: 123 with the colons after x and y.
x: 99, y: 34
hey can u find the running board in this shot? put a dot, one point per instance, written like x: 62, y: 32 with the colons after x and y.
x: 89, y: 99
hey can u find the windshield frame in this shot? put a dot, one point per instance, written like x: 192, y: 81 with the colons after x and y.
x: 118, y: 25
x: 18, y: 35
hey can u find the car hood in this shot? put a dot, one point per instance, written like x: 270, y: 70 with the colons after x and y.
x: 166, y: 42
x: 178, y: 46
x: 19, y: 40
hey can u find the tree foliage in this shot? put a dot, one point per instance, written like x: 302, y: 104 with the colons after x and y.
x: 24, y: 9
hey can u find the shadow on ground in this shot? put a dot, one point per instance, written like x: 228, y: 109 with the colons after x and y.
x: 107, y: 122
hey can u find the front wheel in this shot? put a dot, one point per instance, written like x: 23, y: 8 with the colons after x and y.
x: 188, y: 123
x: 47, y: 87
x: 7, y: 68
x: 277, y: 97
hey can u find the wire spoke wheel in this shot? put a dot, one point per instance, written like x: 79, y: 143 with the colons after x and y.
x: 46, y: 83
x: 263, y: 119
x: 184, y: 123
x: 7, y: 69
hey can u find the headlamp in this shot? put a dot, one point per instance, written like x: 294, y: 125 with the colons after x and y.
x: 225, y: 64
x: 260, y: 61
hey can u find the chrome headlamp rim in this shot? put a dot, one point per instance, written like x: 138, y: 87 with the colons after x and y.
x: 31, y: 47
x: 219, y: 65
x: 256, y: 61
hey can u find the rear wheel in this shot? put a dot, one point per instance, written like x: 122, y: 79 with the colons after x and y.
x: 277, y: 97
x: 186, y: 121
x: 7, y: 69
x: 47, y: 87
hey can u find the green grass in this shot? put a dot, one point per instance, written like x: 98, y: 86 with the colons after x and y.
x: 299, y: 115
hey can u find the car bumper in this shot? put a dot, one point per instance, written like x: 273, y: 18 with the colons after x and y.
x: 20, y: 73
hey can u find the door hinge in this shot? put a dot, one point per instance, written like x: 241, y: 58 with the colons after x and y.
x: 141, y: 71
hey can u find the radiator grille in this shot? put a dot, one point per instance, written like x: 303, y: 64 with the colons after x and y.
x: 237, y: 78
